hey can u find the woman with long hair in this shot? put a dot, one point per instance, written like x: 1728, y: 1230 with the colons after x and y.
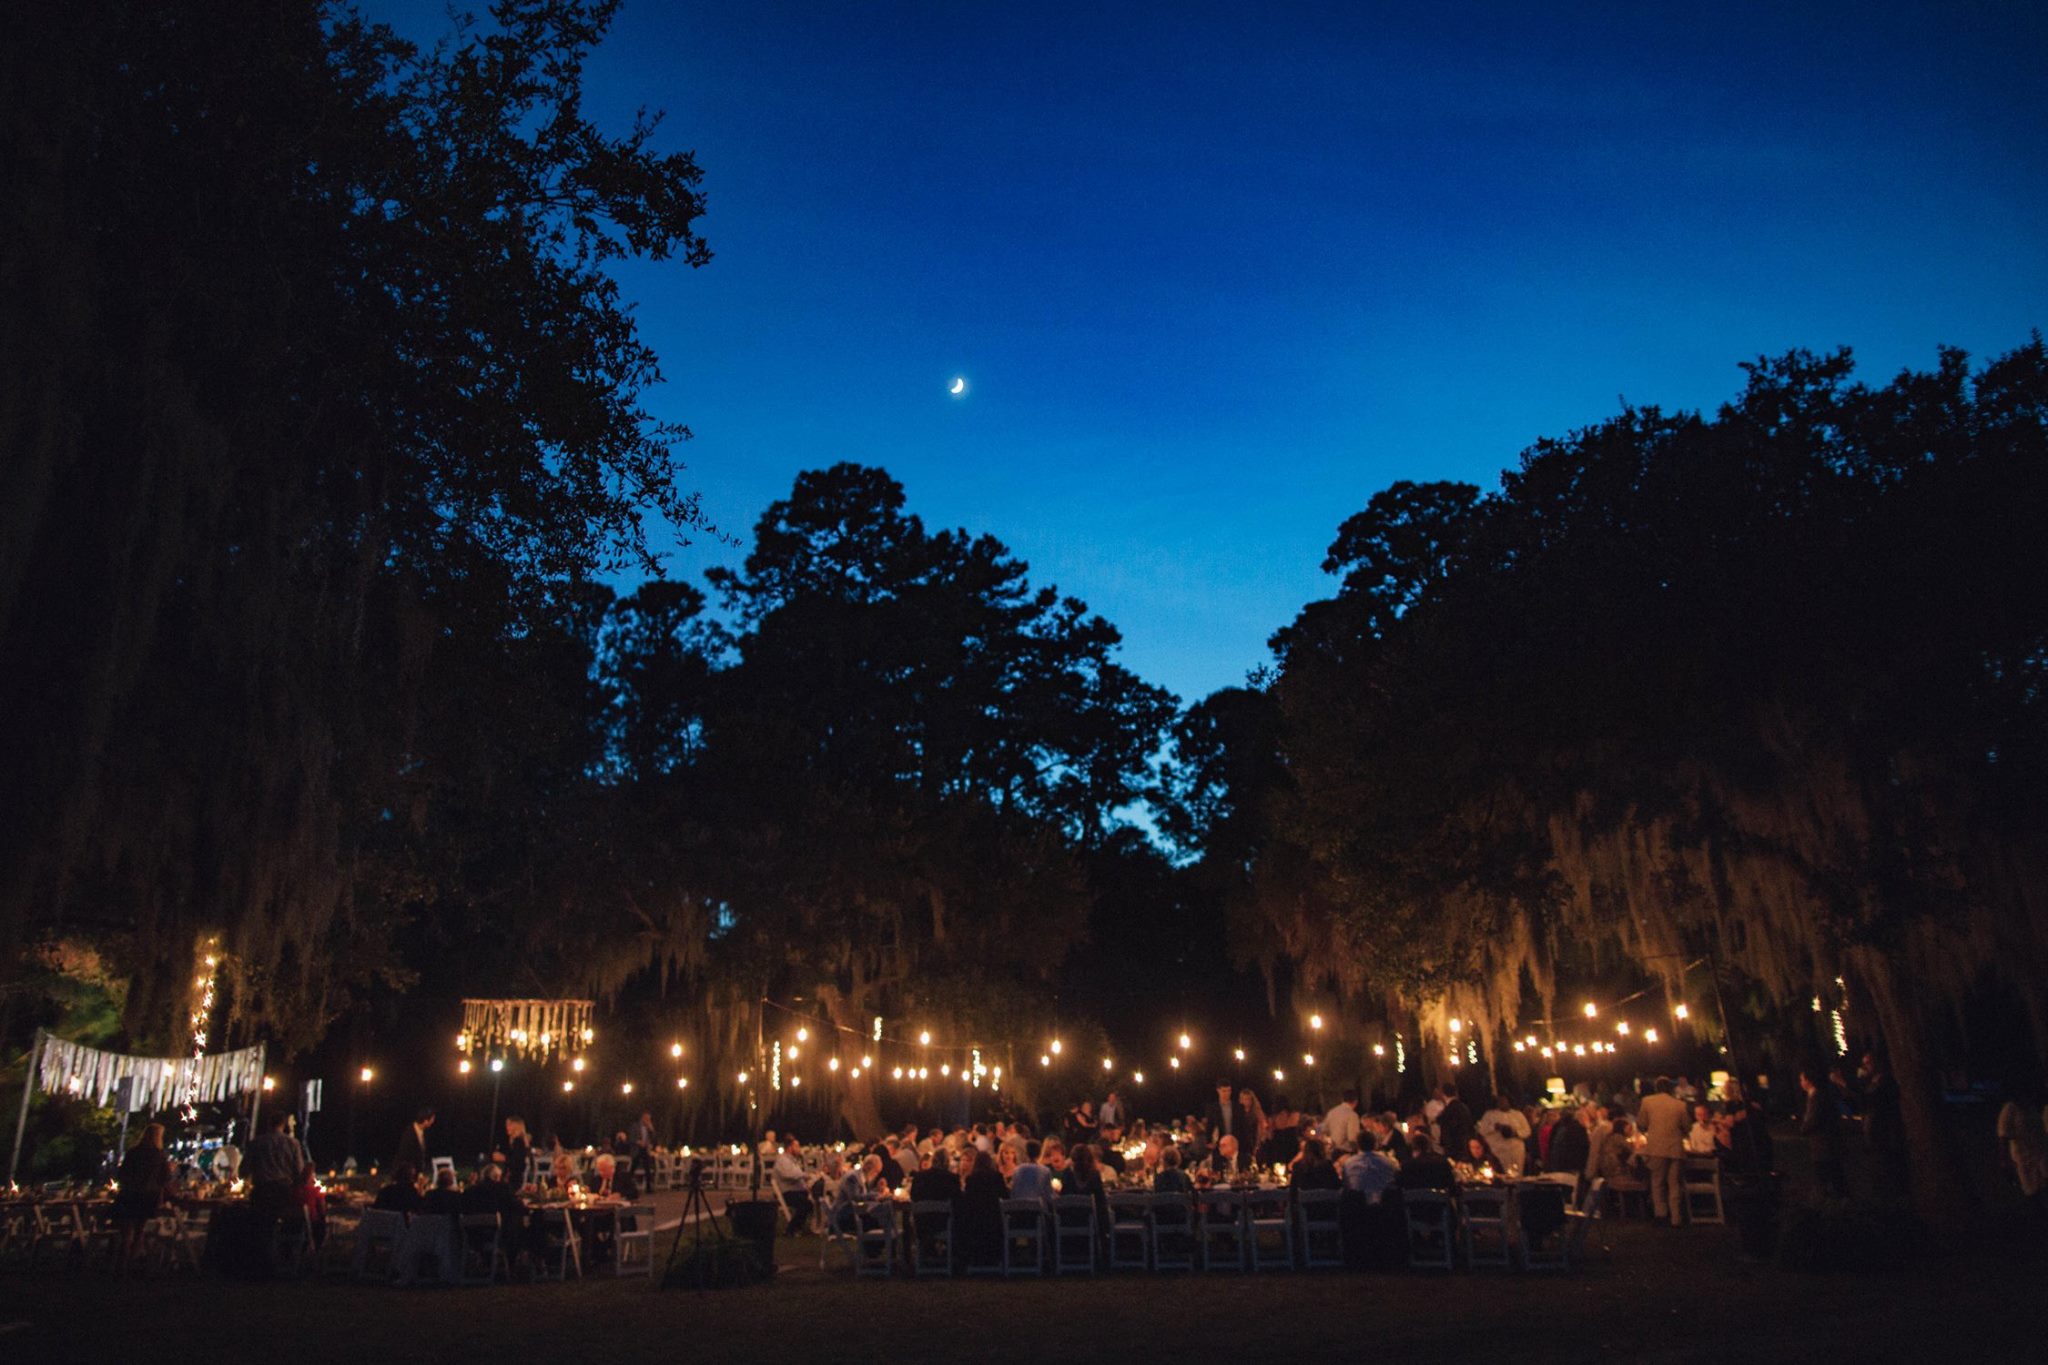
x: 145, y: 1175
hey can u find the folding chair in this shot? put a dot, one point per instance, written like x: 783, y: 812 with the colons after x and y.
x: 1270, y: 1227
x: 1073, y: 1235
x: 1317, y: 1222
x: 1431, y: 1242
x: 1220, y: 1224
x: 1023, y: 1237
x: 842, y: 1229
x: 633, y: 1241
x: 1542, y: 1250
x: 1130, y: 1231
x: 931, y: 1237
x: 1701, y: 1185
x: 377, y: 1239
x: 430, y: 1237
x: 1173, y: 1232
x: 439, y: 1164
x: 483, y: 1253
x: 58, y: 1232
x: 1579, y: 1222
x: 1483, y: 1223
x: 291, y: 1242
x: 875, y: 1248
x: 562, y: 1250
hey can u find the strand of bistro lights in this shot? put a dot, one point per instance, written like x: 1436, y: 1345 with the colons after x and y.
x: 786, y: 1051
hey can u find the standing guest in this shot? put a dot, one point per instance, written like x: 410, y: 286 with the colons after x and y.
x: 1283, y: 1134
x: 145, y: 1175
x: 1111, y: 1114
x: 402, y: 1193
x: 1222, y: 1117
x: 1571, y: 1145
x: 518, y: 1149
x: 1613, y: 1153
x: 1082, y: 1125
x: 272, y: 1167
x: 1884, y: 1124
x: 1546, y: 1129
x: 1341, y: 1125
x: 1821, y: 1126
x: 1453, y: 1122
x: 641, y: 1138
x: 1505, y: 1130
x: 412, y: 1143
x: 978, y: 1212
x: 1251, y: 1120
x: 1598, y: 1126
x: 1665, y: 1119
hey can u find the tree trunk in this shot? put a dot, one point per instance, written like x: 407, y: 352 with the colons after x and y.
x: 1939, y: 1194
x: 859, y: 1106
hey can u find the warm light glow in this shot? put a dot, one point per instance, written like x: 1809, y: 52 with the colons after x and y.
x: 1621, y: 1027
x: 1186, y: 1042
x: 497, y: 1063
x: 675, y: 1049
x: 743, y: 1078
x: 590, y: 1035
x: 1520, y: 1046
x: 1173, y: 1062
x: 367, y: 1075
x: 1378, y: 1050
x: 1044, y: 1060
x: 855, y: 1073
x: 1239, y: 1054
x: 945, y: 1068
x: 1138, y: 1076
x: 1457, y: 1025
x: 925, y: 1038
x: 924, y: 1073
x: 1278, y: 1074
x: 626, y: 1088
x: 1055, y: 1047
x: 897, y: 1073
x: 795, y: 1081
x: 682, y: 1082
x: 1578, y: 1049
x: 832, y: 1064
x: 1108, y: 1064
x: 1649, y: 1035
x: 567, y: 1086
x: 269, y: 1083
x: 1682, y: 1012
x: 461, y: 1066
x: 1315, y: 1021
x: 1592, y: 1010
x: 1308, y: 1059
x: 867, y: 1063
x: 1530, y: 1040
x: 803, y: 1035
x: 576, y: 1065
x: 1547, y: 1052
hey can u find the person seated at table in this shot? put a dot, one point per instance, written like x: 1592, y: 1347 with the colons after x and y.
x: 402, y: 1193
x: 1167, y: 1175
x: 793, y: 1185
x: 1571, y: 1144
x: 1031, y: 1180
x: 1704, y: 1137
x: 1426, y: 1168
x: 1083, y: 1178
x: 492, y: 1192
x: 851, y: 1188
x: 1007, y: 1160
x: 1386, y: 1136
x: 978, y: 1212
x: 625, y: 1181
x: 933, y: 1183
x: 1226, y: 1161
x: 561, y: 1164
x: 1614, y: 1158
x: 893, y: 1173
x: 1312, y: 1169
x: 1109, y: 1150
x: 1368, y: 1172
x: 444, y: 1200
x: 1052, y: 1154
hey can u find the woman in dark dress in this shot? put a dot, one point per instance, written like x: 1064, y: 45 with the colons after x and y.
x: 518, y: 1150
x: 145, y: 1175
x: 978, y: 1212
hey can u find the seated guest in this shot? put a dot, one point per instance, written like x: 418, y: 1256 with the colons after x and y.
x: 1052, y: 1154
x: 1312, y: 1170
x: 1426, y: 1168
x: 1368, y: 1171
x: 1031, y: 1180
x: 443, y: 1200
x: 1084, y: 1178
x: 1704, y: 1138
x: 492, y: 1192
x: 933, y: 1183
x: 1007, y: 1160
x: 1386, y: 1136
x: 561, y: 1165
x: 1614, y: 1158
x: 604, y: 1170
x: 1226, y: 1162
x: 402, y: 1194
x: 793, y: 1185
x: 978, y: 1212
x: 1571, y: 1144
x: 850, y: 1189
x: 1170, y: 1178
x: 893, y: 1173
x: 1109, y: 1151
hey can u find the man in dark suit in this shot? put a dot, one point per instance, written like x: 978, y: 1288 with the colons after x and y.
x: 1454, y: 1125
x: 1571, y: 1144
x: 412, y: 1143
x: 1225, y: 1117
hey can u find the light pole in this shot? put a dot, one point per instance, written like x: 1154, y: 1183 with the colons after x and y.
x: 497, y: 1080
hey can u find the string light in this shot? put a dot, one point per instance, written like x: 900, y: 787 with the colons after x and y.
x: 1308, y: 1059
x: 1055, y: 1047
x: 367, y: 1075
x: 1683, y: 1011
x: 1278, y: 1074
x: 803, y: 1035
x: 203, y: 995
x: 867, y: 1063
x: 1173, y: 1062
x: 626, y: 1088
x: 576, y: 1065
x: 675, y: 1049
x: 1138, y: 1076
x: 1185, y: 1043
x: 497, y: 1063
x: 463, y: 1066
x: 743, y: 1078
x: 1239, y: 1054
x: 1621, y: 1027
x: 925, y: 1038
x: 1379, y: 1050
x: 682, y: 1082
x: 1108, y: 1064
x: 1457, y: 1025
x: 1315, y: 1021
x: 1649, y: 1035
x: 1592, y: 1010
x: 832, y: 1064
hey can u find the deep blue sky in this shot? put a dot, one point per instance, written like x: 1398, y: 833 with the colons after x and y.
x: 1218, y: 273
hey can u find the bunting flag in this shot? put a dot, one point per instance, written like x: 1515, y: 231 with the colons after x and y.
x: 160, y: 1082
x: 534, y: 1028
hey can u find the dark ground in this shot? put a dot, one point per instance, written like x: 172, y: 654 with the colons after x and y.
x: 1661, y: 1295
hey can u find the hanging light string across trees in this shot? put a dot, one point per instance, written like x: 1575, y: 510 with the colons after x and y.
x: 533, y: 1028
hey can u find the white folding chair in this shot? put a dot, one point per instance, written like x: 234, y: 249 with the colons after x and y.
x: 1221, y: 1232
x: 1483, y: 1223
x: 931, y: 1237
x: 1429, y: 1216
x: 378, y: 1236
x: 1173, y: 1232
x: 1023, y: 1237
x: 633, y: 1241
x: 1270, y: 1228
x: 1316, y: 1219
x: 563, y: 1249
x: 440, y: 1164
x: 1701, y: 1184
x: 1130, y: 1231
x: 1073, y: 1235
x: 483, y: 1250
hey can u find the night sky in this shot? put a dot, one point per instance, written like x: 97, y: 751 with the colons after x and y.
x: 1215, y: 274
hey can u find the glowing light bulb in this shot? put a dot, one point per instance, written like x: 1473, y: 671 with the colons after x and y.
x: 576, y: 1065
x: 925, y: 1038
x: 866, y: 1062
x: 1457, y: 1025
x: 1173, y: 1062
x: 1238, y: 1053
x: 1378, y: 1050
x: 567, y: 1086
x: 497, y: 1063
x: 626, y: 1088
x: 803, y: 1035
x: 1278, y: 1074
x: 1108, y: 1064
x: 1308, y: 1059
x: 1315, y: 1021
x: 1185, y: 1042
x: 270, y: 1082
x: 1592, y: 1010
x: 675, y: 1049
x: 743, y: 1078
x: 1044, y: 1060
x: 832, y: 1064
x: 1138, y: 1076
x: 1649, y: 1035
x: 368, y: 1075
x: 945, y: 1068
x: 1055, y: 1047
x: 1682, y: 1012
x: 682, y: 1082
x: 461, y: 1066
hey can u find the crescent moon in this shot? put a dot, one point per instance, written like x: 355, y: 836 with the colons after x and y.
x: 959, y: 387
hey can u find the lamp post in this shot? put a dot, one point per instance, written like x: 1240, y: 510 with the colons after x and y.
x: 491, y: 1137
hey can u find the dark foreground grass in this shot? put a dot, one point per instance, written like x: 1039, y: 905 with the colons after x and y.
x: 1662, y: 1295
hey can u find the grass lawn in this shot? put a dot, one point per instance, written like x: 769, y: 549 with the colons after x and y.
x: 1662, y: 1295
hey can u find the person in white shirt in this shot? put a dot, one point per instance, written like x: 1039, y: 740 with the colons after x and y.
x: 1369, y: 1173
x: 794, y: 1186
x: 1701, y: 1139
x: 1505, y: 1130
x: 1340, y: 1125
x: 1111, y: 1114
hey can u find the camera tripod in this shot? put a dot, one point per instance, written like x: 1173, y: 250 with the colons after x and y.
x: 697, y: 1216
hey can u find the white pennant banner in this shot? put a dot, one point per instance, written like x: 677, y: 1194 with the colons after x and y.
x: 160, y: 1082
